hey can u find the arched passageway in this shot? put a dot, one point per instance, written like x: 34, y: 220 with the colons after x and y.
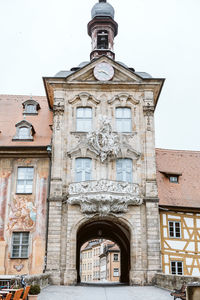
x: 110, y: 230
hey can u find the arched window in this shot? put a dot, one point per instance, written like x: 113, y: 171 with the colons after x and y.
x: 123, y: 119
x: 24, y: 133
x: 84, y: 119
x: 83, y: 167
x: 102, y: 40
x: 31, y: 108
x: 124, y: 169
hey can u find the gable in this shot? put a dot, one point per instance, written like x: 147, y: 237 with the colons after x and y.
x: 121, y: 74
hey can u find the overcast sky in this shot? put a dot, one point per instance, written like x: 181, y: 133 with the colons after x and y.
x: 161, y: 37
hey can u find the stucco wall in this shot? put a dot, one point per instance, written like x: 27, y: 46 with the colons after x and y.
x: 23, y: 213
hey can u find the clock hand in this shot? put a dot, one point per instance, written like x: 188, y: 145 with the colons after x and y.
x: 102, y: 71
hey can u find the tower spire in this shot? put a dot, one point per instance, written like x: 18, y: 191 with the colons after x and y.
x: 102, y: 29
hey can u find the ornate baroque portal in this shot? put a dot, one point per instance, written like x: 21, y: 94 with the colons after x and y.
x: 103, y: 175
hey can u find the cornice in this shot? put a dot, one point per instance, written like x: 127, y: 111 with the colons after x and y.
x: 23, y: 151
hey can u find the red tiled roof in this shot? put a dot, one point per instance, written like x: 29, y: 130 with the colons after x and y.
x: 11, y: 112
x: 186, y: 164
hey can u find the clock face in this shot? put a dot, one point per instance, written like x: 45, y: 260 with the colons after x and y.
x: 104, y: 72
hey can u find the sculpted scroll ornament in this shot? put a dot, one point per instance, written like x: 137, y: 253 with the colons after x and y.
x: 104, y: 197
x: 104, y: 142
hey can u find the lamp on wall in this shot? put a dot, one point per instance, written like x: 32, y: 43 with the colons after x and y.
x: 49, y: 150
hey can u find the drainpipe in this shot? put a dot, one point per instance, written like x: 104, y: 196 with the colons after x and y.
x: 49, y: 150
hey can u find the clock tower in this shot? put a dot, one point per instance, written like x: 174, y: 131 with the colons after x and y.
x: 102, y: 29
x: 103, y: 173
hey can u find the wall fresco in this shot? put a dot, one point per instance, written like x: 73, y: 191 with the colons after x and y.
x: 22, y: 214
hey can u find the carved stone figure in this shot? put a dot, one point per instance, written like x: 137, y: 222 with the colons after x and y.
x: 104, y: 142
x: 104, y: 197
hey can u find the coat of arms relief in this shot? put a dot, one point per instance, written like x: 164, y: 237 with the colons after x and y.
x: 104, y: 143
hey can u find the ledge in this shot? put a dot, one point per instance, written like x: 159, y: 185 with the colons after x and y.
x: 104, y: 197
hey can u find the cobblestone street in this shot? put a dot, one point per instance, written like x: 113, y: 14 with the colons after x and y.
x: 104, y: 293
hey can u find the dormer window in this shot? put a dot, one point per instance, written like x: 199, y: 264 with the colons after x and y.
x: 172, y: 176
x: 24, y: 131
x: 173, y: 179
x: 31, y: 107
x: 102, y: 40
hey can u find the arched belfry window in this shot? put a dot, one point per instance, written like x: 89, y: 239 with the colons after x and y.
x: 102, y: 39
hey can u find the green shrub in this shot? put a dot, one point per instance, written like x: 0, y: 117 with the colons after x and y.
x: 34, y: 289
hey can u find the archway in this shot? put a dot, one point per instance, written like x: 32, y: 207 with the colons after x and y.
x: 111, y: 230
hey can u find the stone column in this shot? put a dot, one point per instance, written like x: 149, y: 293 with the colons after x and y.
x: 151, y: 193
x: 54, y: 239
x: 70, y: 274
x: 56, y: 197
x: 153, y: 239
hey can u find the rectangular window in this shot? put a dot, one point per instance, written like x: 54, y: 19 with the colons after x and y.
x: 25, y: 180
x: 173, y: 179
x: 174, y: 229
x: 83, y: 169
x: 116, y: 257
x: 84, y: 119
x: 177, y: 267
x: 123, y: 119
x: 124, y: 168
x: 116, y: 272
x: 20, y: 242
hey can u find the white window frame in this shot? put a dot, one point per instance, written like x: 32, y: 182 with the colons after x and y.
x: 176, y: 262
x: 173, y: 178
x: 33, y: 109
x: 83, y: 170
x: 25, y: 181
x: 20, y: 245
x: 175, y: 232
x: 80, y: 120
x: 121, y: 121
x: 124, y: 174
x: 116, y: 273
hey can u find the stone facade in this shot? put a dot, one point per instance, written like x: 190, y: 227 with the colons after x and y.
x: 105, y: 205
x: 70, y: 206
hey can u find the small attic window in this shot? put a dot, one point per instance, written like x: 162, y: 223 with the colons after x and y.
x: 24, y: 131
x: 173, y: 179
x: 31, y: 107
x: 172, y: 176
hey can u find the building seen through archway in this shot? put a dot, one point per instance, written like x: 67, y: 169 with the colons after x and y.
x: 105, y: 257
x: 100, y: 261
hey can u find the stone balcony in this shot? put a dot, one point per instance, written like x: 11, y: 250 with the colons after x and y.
x: 104, y: 197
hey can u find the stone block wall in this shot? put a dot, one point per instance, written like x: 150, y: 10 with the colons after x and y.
x: 172, y: 282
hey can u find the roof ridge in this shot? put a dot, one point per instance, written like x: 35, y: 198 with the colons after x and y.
x: 176, y: 150
x: 17, y: 95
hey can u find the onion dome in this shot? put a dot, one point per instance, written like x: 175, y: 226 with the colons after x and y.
x: 103, y: 9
